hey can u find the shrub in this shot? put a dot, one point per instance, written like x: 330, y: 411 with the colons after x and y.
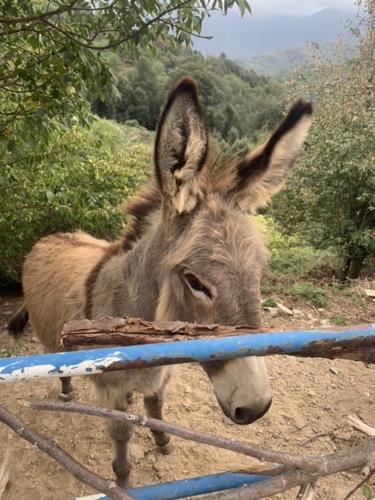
x: 307, y: 290
x: 338, y: 321
x: 329, y: 198
x: 269, y: 303
x: 78, y: 184
x: 290, y: 256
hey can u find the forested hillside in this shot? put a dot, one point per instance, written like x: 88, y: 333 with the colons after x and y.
x: 238, y: 103
x: 281, y: 64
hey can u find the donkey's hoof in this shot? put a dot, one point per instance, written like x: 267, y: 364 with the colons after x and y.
x: 122, y: 472
x: 66, y: 397
x: 166, y: 449
x: 123, y: 481
x: 130, y: 398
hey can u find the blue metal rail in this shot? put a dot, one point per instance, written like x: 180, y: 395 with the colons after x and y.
x: 305, y: 343
x: 189, y: 487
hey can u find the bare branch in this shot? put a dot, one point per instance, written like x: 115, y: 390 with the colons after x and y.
x: 342, y: 460
x: 73, y: 37
x: 309, y: 469
x: 95, y: 9
x: 184, y: 30
x: 19, y: 30
x: 365, y: 480
x: 279, y: 457
x: 360, y: 425
x: 62, y: 457
x: 306, y: 492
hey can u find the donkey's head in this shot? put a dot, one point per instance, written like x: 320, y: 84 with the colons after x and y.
x: 214, y: 256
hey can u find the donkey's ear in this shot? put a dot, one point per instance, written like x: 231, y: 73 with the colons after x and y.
x: 262, y: 174
x: 181, y: 147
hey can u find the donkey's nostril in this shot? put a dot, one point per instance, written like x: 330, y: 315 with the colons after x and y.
x: 244, y: 416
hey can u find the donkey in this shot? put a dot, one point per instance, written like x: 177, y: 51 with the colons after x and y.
x: 191, y: 254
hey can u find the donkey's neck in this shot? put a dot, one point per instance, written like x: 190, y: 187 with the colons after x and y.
x: 128, y: 283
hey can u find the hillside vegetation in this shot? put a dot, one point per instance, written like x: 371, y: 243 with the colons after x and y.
x: 79, y: 182
x: 64, y: 169
x: 238, y: 103
x: 282, y: 64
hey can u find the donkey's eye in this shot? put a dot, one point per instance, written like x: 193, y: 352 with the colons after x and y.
x: 196, y: 285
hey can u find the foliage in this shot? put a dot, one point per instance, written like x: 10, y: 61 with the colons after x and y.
x: 330, y: 197
x: 290, y: 256
x: 238, y: 103
x: 51, y: 54
x: 269, y: 302
x: 368, y: 492
x: 281, y: 65
x: 79, y: 182
x: 338, y: 321
x: 316, y: 294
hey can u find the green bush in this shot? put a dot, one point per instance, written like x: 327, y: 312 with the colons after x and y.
x: 307, y: 290
x: 79, y: 183
x: 329, y: 198
x: 290, y: 256
x: 338, y: 321
x: 269, y: 303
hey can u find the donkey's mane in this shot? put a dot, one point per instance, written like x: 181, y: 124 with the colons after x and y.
x: 146, y: 202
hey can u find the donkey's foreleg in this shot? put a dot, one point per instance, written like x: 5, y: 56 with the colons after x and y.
x: 121, y: 433
x: 66, y: 393
x: 154, y: 407
x: 130, y: 398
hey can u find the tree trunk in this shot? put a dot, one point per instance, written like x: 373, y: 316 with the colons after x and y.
x: 344, y: 269
x: 355, y: 267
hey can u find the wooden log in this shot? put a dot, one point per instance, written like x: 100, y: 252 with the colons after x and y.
x: 52, y: 449
x: 135, y: 331
x: 356, y: 343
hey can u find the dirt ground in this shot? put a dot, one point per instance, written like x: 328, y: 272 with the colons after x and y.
x: 309, y: 415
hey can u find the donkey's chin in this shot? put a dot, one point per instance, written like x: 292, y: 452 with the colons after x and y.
x: 242, y: 415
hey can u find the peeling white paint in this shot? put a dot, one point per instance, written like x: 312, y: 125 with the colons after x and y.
x: 90, y: 366
x: 85, y: 367
x: 25, y: 373
x: 90, y: 497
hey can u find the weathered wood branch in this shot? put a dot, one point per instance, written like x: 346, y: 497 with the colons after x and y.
x: 359, y: 485
x: 62, y: 457
x: 177, y: 430
x: 312, y: 463
x: 133, y: 331
x: 340, y: 461
x: 360, y: 425
x: 295, y: 470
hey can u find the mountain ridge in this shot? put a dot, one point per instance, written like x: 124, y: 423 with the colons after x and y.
x: 251, y: 36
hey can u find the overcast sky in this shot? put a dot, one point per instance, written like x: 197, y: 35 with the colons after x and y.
x: 297, y: 7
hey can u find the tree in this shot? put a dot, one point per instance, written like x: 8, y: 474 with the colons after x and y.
x: 80, y: 184
x: 54, y: 58
x: 330, y: 199
x: 51, y: 54
x: 238, y: 103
